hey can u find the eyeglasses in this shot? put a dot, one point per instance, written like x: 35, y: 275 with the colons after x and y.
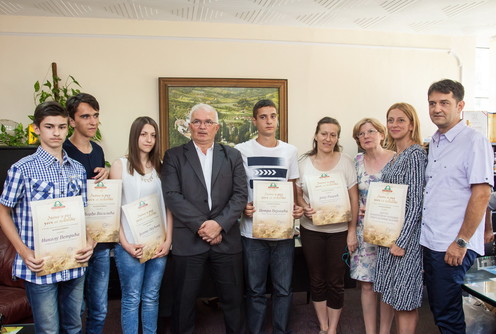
x: 370, y: 132
x: 208, y: 123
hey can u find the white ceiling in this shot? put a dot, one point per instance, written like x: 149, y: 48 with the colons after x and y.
x: 446, y: 17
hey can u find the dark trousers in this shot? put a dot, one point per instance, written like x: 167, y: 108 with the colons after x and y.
x: 444, y: 289
x: 326, y: 267
x: 227, y: 273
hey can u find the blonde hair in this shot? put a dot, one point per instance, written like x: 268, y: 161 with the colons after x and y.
x: 372, y: 121
x: 411, y: 114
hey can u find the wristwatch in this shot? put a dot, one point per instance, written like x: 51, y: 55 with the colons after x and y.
x: 461, y: 242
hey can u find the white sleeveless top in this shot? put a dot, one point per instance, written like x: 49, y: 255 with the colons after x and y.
x: 135, y: 187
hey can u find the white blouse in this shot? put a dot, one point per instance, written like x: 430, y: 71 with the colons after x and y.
x: 344, y: 165
x: 135, y: 187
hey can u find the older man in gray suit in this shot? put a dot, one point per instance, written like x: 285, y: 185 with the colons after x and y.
x: 204, y: 185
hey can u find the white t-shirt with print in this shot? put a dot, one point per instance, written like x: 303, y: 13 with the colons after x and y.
x: 279, y: 163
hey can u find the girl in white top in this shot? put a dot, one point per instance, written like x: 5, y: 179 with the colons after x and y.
x: 324, y: 246
x: 140, y: 282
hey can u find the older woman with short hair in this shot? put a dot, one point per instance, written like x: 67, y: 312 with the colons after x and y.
x: 369, y: 135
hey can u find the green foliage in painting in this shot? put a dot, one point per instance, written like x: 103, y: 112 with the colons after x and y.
x: 233, y: 104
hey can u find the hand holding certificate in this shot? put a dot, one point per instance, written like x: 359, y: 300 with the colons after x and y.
x: 145, y: 220
x: 273, y: 216
x: 103, y: 210
x: 385, y: 213
x: 59, y: 232
x: 329, y: 198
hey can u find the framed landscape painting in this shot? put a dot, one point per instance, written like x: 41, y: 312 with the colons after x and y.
x: 232, y: 98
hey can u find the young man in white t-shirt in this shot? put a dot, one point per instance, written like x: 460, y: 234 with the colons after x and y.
x: 268, y: 159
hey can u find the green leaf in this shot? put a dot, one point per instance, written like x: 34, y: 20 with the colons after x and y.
x: 74, y: 80
x: 44, y: 96
x: 59, y: 93
x: 98, y: 135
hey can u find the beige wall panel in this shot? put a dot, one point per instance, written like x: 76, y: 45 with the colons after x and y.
x: 120, y: 63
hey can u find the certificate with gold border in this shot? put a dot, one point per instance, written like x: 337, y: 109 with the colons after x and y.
x: 329, y: 198
x: 146, y: 221
x: 59, y: 232
x: 273, y: 216
x: 103, y: 210
x: 385, y: 213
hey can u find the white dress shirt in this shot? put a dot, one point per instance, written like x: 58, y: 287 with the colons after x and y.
x: 206, y: 161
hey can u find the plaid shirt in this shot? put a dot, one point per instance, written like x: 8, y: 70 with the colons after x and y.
x: 36, y: 177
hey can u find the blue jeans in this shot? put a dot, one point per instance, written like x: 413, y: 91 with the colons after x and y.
x: 96, y: 288
x: 444, y: 289
x: 260, y: 256
x: 140, y: 283
x: 57, y: 306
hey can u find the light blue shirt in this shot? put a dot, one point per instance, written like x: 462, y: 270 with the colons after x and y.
x: 37, y: 177
x: 457, y: 159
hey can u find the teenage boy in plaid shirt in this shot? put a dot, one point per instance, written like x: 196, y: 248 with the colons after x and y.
x: 48, y: 173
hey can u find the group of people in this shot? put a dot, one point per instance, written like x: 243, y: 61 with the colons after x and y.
x: 395, y: 272
x: 449, y: 185
x: 207, y: 203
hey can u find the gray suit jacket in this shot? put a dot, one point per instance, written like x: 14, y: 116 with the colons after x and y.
x: 186, y: 196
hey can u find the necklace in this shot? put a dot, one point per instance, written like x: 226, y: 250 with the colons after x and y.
x: 147, y: 177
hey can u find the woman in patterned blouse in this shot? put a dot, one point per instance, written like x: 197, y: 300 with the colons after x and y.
x: 369, y: 134
x: 398, y: 274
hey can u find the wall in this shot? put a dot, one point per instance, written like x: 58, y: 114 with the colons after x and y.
x: 344, y: 74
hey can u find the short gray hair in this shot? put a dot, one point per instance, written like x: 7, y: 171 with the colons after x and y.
x: 203, y: 106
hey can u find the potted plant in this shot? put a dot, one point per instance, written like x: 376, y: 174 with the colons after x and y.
x: 17, y: 141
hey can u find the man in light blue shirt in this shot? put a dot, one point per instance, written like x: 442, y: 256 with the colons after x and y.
x: 459, y: 177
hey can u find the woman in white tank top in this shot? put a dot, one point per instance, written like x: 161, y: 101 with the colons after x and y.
x: 140, y: 282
